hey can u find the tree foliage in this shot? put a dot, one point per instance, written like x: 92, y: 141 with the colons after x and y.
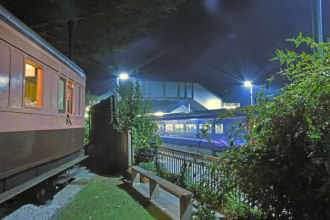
x: 283, y: 168
x: 134, y: 115
x: 101, y: 26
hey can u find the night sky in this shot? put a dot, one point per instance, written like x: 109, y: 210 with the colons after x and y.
x: 218, y: 43
x: 221, y: 43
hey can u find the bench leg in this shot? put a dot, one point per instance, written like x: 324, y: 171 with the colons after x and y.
x: 154, y: 190
x: 135, y: 178
x: 185, y: 207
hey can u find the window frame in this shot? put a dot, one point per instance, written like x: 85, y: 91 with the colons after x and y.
x: 40, y: 78
x: 58, y: 97
x: 221, y: 127
x: 67, y: 98
x: 188, y: 125
x: 169, y: 125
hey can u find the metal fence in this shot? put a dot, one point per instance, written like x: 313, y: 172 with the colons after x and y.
x: 197, y: 166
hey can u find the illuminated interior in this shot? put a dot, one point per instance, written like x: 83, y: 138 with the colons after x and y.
x: 179, y: 127
x: 32, y: 95
x: 169, y: 128
x: 206, y: 126
x: 61, y: 96
x: 70, y: 98
x: 219, y: 128
x: 191, y: 128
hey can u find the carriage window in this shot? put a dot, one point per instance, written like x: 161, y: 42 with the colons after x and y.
x: 69, y: 99
x: 206, y: 126
x: 161, y: 127
x: 33, y: 87
x: 169, y: 127
x: 219, y: 128
x: 191, y: 128
x: 79, y: 97
x: 179, y: 128
x: 61, y: 96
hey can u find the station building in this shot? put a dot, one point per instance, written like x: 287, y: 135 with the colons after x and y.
x: 177, y: 97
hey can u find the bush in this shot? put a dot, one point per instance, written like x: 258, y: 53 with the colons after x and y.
x: 284, y: 168
x: 134, y: 114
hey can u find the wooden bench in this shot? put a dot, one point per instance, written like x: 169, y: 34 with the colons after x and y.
x: 185, y: 196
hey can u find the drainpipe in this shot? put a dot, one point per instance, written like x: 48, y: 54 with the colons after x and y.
x: 71, y: 24
x: 317, y: 20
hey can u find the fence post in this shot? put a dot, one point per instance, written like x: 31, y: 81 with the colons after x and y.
x: 130, y: 149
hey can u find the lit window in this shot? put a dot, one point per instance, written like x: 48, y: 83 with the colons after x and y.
x: 169, y: 127
x: 208, y: 128
x: 69, y: 99
x: 191, y: 128
x: 33, y: 87
x: 61, y: 96
x: 179, y: 128
x: 219, y: 128
x: 161, y: 127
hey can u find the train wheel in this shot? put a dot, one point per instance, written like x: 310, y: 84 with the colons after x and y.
x: 41, y: 193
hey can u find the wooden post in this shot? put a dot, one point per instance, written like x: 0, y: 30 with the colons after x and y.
x: 185, y: 207
x: 153, y: 190
x: 130, y: 149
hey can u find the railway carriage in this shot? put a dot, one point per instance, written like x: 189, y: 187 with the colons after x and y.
x: 180, y: 130
x: 42, y: 95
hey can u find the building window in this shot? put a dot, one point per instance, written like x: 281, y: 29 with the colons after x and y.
x: 208, y: 128
x: 219, y: 128
x: 33, y: 85
x: 61, y: 96
x: 179, y: 128
x: 191, y: 128
x: 169, y: 127
x: 69, y: 99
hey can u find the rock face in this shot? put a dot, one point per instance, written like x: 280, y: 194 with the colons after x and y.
x: 100, y: 26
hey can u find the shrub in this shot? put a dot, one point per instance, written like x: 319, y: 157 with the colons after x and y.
x: 284, y: 168
x: 134, y: 114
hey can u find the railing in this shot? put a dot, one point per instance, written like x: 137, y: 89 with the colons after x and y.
x: 196, y: 165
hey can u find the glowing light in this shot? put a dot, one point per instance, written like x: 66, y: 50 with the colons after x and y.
x: 30, y: 71
x: 87, y: 111
x: 3, y: 81
x: 159, y: 114
x: 247, y: 84
x: 213, y: 103
x: 123, y: 76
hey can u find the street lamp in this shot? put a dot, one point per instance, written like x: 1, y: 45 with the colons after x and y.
x: 122, y: 76
x: 249, y: 84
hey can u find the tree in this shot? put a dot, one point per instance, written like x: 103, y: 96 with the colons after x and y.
x: 283, y: 167
x: 101, y: 26
x: 134, y: 115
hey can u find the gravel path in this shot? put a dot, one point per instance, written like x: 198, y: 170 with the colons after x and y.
x: 60, y: 200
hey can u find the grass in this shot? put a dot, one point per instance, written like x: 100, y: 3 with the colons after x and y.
x: 102, y: 198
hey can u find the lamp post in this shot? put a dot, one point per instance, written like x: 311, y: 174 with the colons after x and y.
x: 249, y: 84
